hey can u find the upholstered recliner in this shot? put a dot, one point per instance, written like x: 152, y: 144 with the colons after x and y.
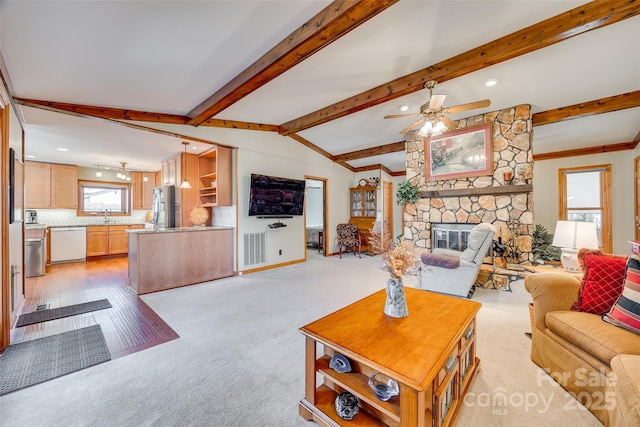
x: 349, y: 237
x: 453, y: 272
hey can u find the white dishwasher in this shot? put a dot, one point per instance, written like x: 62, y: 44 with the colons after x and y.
x: 68, y: 244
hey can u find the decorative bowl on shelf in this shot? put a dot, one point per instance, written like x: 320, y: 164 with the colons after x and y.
x: 198, y: 216
x: 347, y: 405
x: 383, y: 386
x: 339, y: 363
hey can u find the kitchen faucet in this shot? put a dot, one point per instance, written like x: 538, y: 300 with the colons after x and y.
x: 106, y: 217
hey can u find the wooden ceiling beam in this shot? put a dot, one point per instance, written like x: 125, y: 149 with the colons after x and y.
x: 104, y: 112
x: 590, y: 16
x: 585, y: 151
x: 590, y: 108
x: 136, y: 115
x: 233, y: 124
x: 330, y: 24
x: 370, y: 152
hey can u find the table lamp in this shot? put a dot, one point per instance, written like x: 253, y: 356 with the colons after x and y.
x: 570, y: 236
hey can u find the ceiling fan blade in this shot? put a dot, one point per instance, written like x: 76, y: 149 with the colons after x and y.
x: 414, y: 124
x: 469, y: 106
x: 436, y: 101
x: 395, y: 116
x: 448, y: 122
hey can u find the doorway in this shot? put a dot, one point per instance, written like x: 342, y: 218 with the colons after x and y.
x: 315, y: 215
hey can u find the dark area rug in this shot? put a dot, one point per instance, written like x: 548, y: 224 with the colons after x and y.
x: 32, y: 362
x: 58, y: 313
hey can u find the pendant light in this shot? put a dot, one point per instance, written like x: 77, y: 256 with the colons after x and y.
x: 185, y: 183
x: 98, y: 173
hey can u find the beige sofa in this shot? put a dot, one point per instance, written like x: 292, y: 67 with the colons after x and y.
x: 577, y: 349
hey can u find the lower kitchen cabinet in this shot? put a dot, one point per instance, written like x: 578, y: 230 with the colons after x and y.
x: 108, y: 239
x: 118, y: 239
x: 97, y: 240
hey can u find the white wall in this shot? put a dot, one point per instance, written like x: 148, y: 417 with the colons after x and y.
x: 545, y: 192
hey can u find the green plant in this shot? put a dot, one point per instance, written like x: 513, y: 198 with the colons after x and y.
x: 407, y: 193
x: 541, y: 247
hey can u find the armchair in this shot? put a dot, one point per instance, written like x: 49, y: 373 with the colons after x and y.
x: 349, y: 237
x: 453, y: 272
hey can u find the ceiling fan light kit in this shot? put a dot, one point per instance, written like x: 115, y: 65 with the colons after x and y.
x: 432, y: 116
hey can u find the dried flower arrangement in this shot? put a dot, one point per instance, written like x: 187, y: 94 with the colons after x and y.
x: 399, y: 258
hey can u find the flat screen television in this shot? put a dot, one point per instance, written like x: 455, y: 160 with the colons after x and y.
x: 273, y: 196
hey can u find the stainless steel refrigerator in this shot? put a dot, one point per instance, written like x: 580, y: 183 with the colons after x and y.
x: 164, y: 207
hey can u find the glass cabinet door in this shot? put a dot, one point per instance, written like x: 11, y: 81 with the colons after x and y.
x: 363, y: 202
x: 356, y: 203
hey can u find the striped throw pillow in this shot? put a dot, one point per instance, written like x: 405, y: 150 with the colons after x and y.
x: 626, y: 311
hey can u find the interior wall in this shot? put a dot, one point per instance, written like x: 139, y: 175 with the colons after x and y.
x: 546, y: 184
x: 272, y: 154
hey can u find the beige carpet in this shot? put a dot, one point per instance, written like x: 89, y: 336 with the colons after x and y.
x: 239, y: 359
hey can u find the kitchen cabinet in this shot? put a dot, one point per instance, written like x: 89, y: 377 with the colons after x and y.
x: 118, y: 239
x: 109, y: 239
x: 142, y: 185
x: 177, y: 168
x: 38, y: 185
x: 97, y: 240
x: 214, y: 170
x: 51, y: 185
x: 148, y: 184
x: 64, y: 186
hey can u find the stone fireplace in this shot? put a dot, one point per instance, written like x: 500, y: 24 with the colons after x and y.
x: 508, y: 205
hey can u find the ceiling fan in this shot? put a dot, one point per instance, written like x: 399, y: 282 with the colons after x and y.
x: 432, y: 114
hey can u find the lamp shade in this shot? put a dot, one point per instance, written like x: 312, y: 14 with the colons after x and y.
x: 575, y: 235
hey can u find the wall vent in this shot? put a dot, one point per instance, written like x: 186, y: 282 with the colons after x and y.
x: 254, y: 249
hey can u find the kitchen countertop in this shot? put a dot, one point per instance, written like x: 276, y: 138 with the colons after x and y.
x: 178, y: 230
x: 78, y: 224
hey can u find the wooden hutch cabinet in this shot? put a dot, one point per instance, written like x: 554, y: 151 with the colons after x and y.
x: 364, y: 208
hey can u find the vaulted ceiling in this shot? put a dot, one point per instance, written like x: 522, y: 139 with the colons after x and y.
x: 321, y: 73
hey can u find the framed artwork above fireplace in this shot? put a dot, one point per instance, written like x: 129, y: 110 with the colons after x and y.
x: 463, y: 153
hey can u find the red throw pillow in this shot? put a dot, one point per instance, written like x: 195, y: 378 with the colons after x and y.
x: 602, y: 281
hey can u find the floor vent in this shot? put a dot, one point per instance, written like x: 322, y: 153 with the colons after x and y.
x: 254, y: 249
x: 42, y: 307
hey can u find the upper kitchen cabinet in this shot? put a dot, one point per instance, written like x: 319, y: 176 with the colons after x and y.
x: 37, y: 177
x: 175, y: 170
x: 143, y: 184
x: 51, y: 185
x: 64, y: 186
x: 214, y: 169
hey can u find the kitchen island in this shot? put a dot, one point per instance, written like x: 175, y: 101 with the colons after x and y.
x: 174, y: 257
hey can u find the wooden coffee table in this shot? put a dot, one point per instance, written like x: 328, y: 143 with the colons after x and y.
x: 431, y: 354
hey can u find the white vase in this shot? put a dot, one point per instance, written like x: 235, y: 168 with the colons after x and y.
x: 396, y: 303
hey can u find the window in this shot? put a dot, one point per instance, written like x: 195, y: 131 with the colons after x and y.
x: 585, y: 195
x: 98, y: 197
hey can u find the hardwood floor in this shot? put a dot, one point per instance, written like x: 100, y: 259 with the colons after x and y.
x: 129, y: 326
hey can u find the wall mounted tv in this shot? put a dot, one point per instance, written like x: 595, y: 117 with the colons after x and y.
x: 273, y: 196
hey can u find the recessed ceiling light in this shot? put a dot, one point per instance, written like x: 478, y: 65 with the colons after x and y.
x: 194, y: 147
x: 62, y: 149
x: 403, y: 107
x: 492, y: 82
x: 30, y: 156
